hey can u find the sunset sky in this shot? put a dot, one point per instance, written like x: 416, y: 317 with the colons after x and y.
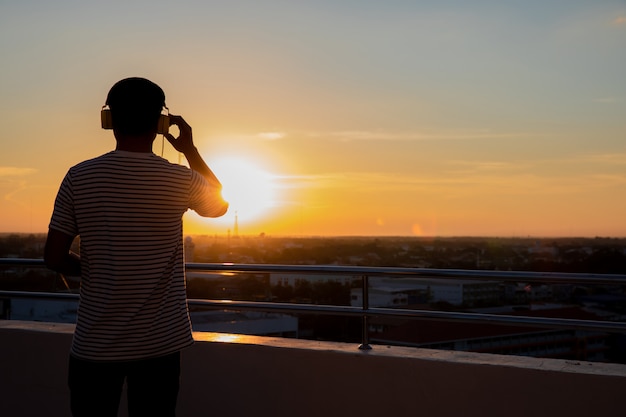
x: 342, y: 117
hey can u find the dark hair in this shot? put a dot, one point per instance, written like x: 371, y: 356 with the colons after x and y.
x: 136, y: 105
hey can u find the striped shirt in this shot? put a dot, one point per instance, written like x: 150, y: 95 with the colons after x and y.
x: 127, y: 208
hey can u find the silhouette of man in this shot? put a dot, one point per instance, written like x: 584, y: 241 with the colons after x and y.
x: 127, y: 206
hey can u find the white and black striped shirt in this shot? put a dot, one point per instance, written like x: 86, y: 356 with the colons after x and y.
x: 127, y: 208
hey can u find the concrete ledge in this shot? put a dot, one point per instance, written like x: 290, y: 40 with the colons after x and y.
x: 578, y: 367
x: 234, y: 375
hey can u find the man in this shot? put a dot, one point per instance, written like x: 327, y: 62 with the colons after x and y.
x: 127, y: 206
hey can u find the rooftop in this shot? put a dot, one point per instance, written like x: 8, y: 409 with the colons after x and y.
x: 230, y: 374
x: 234, y: 375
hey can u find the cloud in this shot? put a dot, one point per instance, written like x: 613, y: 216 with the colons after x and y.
x: 607, y: 180
x: 606, y: 100
x: 486, y: 166
x: 12, y: 183
x: 621, y: 20
x: 15, y: 171
x: 606, y: 159
x: 271, y: 135
x: 361, y: 135
x: 307, y: 181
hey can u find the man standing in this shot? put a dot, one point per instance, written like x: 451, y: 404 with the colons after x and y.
x: 127, y: 206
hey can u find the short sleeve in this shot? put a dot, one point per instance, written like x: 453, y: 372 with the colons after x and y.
x: 204, y: 199
x: 63, y: 216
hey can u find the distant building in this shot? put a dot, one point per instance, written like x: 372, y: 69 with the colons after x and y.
x: 500, y: 338
x: 291, y: 279
x: 35, y: 309
x: 390, y: 296
x: 393, y: 292
x: 250, y: 323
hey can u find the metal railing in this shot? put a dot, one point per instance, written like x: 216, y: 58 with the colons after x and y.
x: 365, y: 312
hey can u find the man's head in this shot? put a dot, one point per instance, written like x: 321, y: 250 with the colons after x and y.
x: 136, y: 105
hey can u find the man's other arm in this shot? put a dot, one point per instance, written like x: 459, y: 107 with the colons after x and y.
x: 57, y: 254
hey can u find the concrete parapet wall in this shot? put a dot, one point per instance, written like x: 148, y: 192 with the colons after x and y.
x: 230, y: 375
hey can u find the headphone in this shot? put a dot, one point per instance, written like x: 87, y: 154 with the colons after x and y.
x: 162, y: 128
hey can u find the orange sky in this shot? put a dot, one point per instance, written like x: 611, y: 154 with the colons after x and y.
x: 338, y: 118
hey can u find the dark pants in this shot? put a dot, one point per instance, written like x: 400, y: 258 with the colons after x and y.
x: 152, y: 386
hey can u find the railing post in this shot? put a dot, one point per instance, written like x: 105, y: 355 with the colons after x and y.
x: 365, y: 336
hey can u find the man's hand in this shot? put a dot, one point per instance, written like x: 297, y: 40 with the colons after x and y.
x: 184, y: 142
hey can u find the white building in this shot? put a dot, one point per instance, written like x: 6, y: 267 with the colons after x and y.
x: 390, y: 292
x: 292, y: 278
x: 250, y: 323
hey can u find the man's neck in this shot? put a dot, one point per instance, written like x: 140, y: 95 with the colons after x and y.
x: 134, y: 143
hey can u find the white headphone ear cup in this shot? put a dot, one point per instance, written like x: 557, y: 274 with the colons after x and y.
x: 164, y: 124
x: 105, y: 119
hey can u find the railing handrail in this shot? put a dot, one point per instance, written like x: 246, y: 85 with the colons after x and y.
x: 365, y: 311
x: 465, y: 274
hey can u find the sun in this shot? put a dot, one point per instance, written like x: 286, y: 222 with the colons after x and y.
x: 250, y: 190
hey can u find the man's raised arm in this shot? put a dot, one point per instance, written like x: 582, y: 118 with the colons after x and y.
x: 184, y: 143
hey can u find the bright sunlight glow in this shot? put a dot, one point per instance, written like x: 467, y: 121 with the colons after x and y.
x: 249, y: 190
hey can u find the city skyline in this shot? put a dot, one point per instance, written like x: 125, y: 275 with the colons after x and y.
x: 338, y: 118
